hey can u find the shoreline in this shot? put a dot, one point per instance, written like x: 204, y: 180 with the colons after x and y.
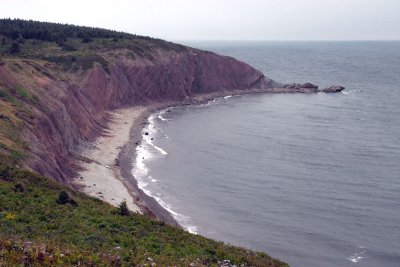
x: 107, y: 170
x: 100, y: 176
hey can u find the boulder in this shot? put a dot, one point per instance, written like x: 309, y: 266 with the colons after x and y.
x: 309, y: 86
x: 333, y: 89
x: 302, y: 88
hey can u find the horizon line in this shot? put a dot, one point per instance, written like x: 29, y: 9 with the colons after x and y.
x: 277, y: 40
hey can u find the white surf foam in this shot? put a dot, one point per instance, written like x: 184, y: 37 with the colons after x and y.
x: 161, y: 115
x: 162, y: 151
x: 351, y: 92
x: 141, y: 173
x: 358, y: 256
x: 152, y: 179
x: 151, y: 130
x: 183, y: 221
x: 162, y: 118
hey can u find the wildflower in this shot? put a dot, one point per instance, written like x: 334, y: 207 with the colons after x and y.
x: 10, y: 216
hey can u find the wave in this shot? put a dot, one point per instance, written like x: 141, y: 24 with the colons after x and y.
x: 161, y: 113
x: 151, y: 131
x: 144, y: 179
x: 152, y: 179
x: 183, y: 220
x: 351, y: 92
x: 162, y: 151
x: 358, y: 256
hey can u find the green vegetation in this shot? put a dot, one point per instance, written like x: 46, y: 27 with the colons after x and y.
x: 13, y: 112
x: 123, y: 209
x: 4, y: 95
x: 74, y: 47
x: 16, y: 29
x: 43, y: 223
x: 21, y: 92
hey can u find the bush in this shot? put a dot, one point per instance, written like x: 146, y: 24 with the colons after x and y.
x: 22, y: 92
x: 15, y: 48
x: 3, y: 95
x: 63, y: 198
x: 123, y: 209
x: 87, y: 40
x: 68, y: 47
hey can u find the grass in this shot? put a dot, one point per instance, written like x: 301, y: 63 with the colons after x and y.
x: 15, y: 112
x: 21, y: 92
x: 38, y: 229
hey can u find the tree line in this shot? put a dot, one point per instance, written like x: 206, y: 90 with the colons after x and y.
x: 56, y: 32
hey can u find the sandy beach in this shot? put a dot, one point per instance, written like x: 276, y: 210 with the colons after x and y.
x: 101, y: 177
x: 107, y: 164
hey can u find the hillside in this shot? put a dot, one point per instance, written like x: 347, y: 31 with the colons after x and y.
x: 37, y: 229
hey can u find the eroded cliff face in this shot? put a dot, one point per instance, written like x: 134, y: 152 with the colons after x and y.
x: 72, y: 107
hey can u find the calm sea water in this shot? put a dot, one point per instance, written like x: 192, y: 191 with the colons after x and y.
x: 311, y: 179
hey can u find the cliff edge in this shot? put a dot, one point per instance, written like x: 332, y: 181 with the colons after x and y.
x: 56, y: 96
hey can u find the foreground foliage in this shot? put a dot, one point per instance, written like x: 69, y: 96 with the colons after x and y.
x: 40, y: 225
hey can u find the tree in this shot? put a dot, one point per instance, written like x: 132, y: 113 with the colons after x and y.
x: 87, y: 40
x: 15, y: 48
x: 123, y: 209
x: 63, y: 198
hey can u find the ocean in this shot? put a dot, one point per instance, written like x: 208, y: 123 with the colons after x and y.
x: 312, y: 179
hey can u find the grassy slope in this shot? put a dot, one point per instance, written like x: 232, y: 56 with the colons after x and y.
x: 18, y: 102
x: 35, y: 229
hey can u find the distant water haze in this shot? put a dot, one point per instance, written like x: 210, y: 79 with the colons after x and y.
x: 311, y: 179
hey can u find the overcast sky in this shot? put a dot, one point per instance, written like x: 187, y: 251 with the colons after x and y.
x: 223, y: 19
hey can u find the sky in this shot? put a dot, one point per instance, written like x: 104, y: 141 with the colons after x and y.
x: 181, y: 20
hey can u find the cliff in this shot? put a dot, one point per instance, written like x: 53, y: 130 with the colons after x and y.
x: 67, y: 107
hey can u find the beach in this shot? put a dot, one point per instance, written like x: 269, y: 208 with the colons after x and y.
x: 101, y: 176
x: 108, y: 162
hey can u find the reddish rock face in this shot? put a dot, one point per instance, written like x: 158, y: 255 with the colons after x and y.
x: 75, y: 106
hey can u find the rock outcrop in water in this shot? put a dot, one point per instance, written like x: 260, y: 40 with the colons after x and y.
x: 305, y: 88
x: 333, y: 89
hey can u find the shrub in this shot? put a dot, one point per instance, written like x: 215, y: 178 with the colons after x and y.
x: 123, y: 209
x: 15, y: 48
x: 19, y: 188
x: 16, y: 156
x: 3, y: 95
x: 22, y: 92
x: 68, y: 47
x: 63, y: 198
